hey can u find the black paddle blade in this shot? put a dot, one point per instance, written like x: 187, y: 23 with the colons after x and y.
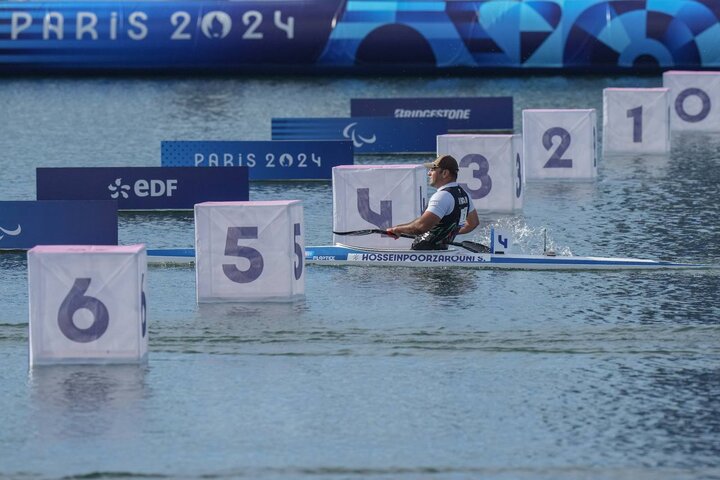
x: 475, y: 247
x: 357, y: 233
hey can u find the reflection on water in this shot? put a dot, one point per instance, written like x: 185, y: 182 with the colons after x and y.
x: 229, y: 328
x: 664, y: 298
x: 448, y: 285
x: 696, y: 143
x: 630, y: 168
x: 206, y: 105
x: 86, y: 400
x: 13, y: 260
x: 564, y: 191
x: 240, y: 313
x: 13, y: 289
x: 132, y: 218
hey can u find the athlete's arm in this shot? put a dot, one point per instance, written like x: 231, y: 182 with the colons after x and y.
x: 440, y: 204
x: 420, y: 225
x: 471, y: 222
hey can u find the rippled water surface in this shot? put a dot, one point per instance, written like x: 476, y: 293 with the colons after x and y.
x: 378, y: 372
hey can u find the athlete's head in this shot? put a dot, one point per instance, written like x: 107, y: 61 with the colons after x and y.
x: 444, y: 169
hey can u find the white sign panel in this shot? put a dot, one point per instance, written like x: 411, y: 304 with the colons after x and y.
x: 500, y: 240
x: 694, y: 100
x: 636, y: 120
x: 249, y: 251
x: 87, y: 304
x: 560, y: 144
x: 491, y: 169
x: 376, y: 197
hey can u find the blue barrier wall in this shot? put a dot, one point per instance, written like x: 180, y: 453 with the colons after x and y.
x: 264, y: 160
x: 26, y: 224
x: 359, y: 35
x: 144, y: 188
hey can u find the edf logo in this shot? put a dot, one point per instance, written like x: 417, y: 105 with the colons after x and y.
x: 143, y: 188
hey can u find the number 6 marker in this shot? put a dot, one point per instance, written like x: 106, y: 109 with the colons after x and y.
x: 87, y: 304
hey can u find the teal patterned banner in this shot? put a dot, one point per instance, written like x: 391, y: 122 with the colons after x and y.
x: 359, y: 35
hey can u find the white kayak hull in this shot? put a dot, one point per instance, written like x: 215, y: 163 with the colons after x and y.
x: 341, y: 255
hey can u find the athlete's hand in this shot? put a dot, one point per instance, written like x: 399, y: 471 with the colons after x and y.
x: 391, y: 233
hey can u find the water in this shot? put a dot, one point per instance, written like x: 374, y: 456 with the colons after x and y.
x: 379, y: 372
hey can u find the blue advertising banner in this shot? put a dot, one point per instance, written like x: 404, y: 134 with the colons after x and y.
x: 462, y: 113
x: 284, y: 36
x: 25, y: 224
x: 368, y: 134
x: 144, y: 188
x: 265, y: 160
x: 119, y: 35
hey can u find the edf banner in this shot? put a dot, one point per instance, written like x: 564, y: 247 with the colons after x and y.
x: 265, y: 160
x: 368, y: 134
x: 25, y: 224
x: 144, y: 188
x: 462, y: 113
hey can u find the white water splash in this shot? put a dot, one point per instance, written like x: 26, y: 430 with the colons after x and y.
x: 525, y: 239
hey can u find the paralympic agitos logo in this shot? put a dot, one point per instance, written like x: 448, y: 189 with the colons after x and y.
x: 13, y: 233
x: 358, y: 140
x: 113, y: 25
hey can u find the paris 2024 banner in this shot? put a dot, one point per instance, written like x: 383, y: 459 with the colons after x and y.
x: 359, y: 35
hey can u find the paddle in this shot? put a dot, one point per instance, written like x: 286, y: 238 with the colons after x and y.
x: 467, y: 245
x: 357, y: 233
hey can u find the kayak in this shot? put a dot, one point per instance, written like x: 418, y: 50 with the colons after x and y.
x: 459, y: 257
x: 340, y: 255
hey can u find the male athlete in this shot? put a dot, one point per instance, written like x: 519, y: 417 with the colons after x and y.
x: 450, y: 211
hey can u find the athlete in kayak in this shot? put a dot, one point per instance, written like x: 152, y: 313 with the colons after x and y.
x: 450, y: 211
